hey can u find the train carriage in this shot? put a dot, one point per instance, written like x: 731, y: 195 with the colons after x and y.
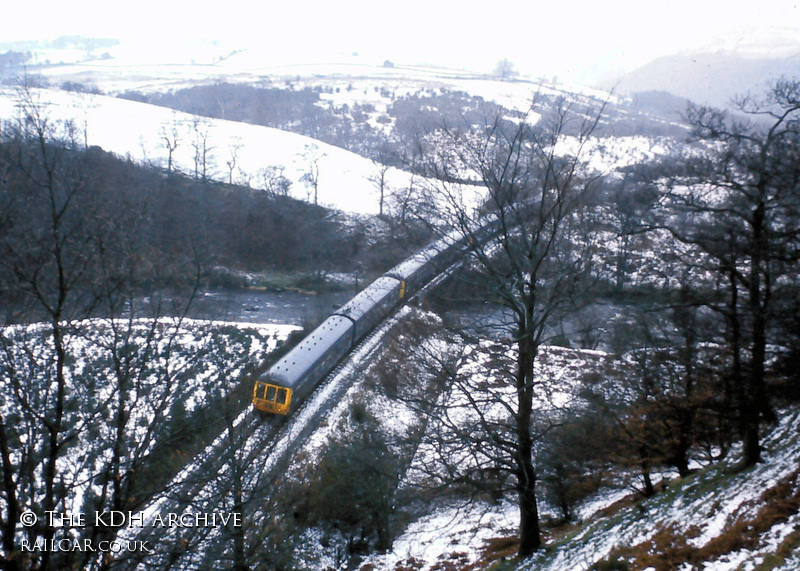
x: 370, y: 305
x: 294, y: 376
x: 418, y: 269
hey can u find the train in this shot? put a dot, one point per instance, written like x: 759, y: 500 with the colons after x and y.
x: 291, y: 379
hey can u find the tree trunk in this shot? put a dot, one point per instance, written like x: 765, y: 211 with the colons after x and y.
x: 12, y: 556
x: 529, y: 532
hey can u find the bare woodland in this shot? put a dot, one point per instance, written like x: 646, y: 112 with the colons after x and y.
x: 698, y: 251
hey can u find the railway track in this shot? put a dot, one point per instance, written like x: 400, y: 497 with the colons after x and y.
x: 243, y: 463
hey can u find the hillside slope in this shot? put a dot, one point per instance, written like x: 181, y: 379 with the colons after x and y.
x: 718, y: 519
x: 231, y: 151
x: 709, y: 78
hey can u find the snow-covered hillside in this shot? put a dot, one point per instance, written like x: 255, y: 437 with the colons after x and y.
x: 235, y: 151
x: 245, y: 153
x: 730, y: 66
x: 242, y: 153
x: 170, y: 365
x: 720, y: 518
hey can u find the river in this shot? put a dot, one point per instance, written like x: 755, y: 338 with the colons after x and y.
x: 255, y: 306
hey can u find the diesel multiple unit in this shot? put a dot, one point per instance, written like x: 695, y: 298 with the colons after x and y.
x: 294, y: 376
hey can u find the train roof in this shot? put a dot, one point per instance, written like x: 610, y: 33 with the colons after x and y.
x: 367, y: 298
x: 410, y: 265
x: 413, y: 263
x: 291, y: 368
x: 450, y: 240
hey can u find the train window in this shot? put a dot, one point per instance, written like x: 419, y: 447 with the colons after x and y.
x: 270, y: 393
x: 282, y: 396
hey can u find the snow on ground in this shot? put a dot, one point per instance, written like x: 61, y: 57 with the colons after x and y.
x: 321, y: 396
x: 143, y: 132
x: 125, y: 70
x: 606, y: 154
x: 453, y: 530
x: 456, y: 531
x: 700, y: 509
x: 711, y: 501
x: 202, y: 356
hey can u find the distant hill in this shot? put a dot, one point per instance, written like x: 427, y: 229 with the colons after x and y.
x: 710, y: 77
x: 660, y: 103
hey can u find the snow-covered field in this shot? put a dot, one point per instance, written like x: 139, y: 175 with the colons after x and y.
x: 143, y: 133
x: 240, y: 152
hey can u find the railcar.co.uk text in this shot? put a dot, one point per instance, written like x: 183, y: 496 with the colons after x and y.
x: 118, y: 519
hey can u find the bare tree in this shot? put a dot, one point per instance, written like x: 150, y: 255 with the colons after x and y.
x: 233, y: 157
x: 378, y: 178
x: 201, y: 143
x: 536, y: 266
x: 85, y: 399
x: 401, y: 201
x: 381, y: 160
x: 505, y: 69
x: 170, y: 138
x: 735, y: 199
x: 274, y: 181
x: 312, y: 156
x: 48, y: 255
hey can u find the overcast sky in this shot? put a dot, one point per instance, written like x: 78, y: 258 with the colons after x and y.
x: 539, y: 37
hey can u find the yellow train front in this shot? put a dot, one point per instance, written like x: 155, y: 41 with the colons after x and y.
x: 271, y: 398
x: 294, y: 376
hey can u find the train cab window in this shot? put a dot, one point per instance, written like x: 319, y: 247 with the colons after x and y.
x: 281, y: 396
x: 270, y: 393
